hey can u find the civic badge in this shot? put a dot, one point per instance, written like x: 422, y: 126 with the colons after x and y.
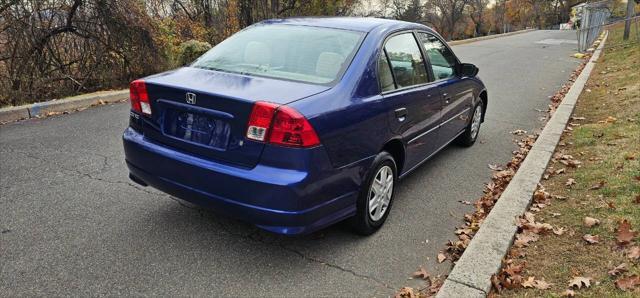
x: 191, y: 98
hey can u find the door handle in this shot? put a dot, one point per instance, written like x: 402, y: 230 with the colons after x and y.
x: 401, y: 114
x: 447, y: 98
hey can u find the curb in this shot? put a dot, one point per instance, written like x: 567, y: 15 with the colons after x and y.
x: 471, y: 276
x: 40, y: 109
x: 470, y: 40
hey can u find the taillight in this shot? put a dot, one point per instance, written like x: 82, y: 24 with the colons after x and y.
x: 260, y: 120
x: 290, y: 128
x: 139, y: 97
x: 281, y: 125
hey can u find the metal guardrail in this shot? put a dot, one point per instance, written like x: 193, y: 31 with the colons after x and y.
x: 594, y: 17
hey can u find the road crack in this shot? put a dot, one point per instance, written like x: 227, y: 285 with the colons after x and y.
x: 255, y: 236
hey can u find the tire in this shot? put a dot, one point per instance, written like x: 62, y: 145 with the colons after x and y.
x: 471, y: 132
x: 366, y: 221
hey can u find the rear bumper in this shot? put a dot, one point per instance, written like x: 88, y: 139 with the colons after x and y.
x: 280, y: 200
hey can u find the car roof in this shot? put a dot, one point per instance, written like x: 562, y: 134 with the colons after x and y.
x: 347, y: 23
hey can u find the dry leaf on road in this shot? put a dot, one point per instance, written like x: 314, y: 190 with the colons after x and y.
x: 496, y: 167
x: 591, y: 239
x: 579, y: 282
x: 421, y: 273
x: 405, y: 292
x: 622, y: 268
x: 441, y: 257
x: 590, y: 221
x: 625, y: 236
x: 628, y: 283
x: 519, y: 132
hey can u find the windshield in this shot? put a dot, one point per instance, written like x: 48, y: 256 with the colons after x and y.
x: 299, y: 53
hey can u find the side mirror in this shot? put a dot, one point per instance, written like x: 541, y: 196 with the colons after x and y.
x: 467, y: 70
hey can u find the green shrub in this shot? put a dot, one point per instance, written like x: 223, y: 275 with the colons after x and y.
x: 190, y: 50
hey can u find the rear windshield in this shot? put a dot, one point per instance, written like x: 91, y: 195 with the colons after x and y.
x: 299, y: 53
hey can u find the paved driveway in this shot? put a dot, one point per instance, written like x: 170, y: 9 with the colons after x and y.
x: 71, y: 223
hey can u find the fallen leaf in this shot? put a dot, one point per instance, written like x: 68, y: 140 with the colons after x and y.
x: 578, y: 118
x: 637, y: 199
x: 559, y: 231
x: 628, y: 283
x: 579, y: 282
x: 622, y: 268
x: 559, y: 171
x: 421, y: 273
x: 557, y: 197
x: 625, y: 236
x: 441, y: 257
x: 523, y: 240
x: 634, y: 253
x: 466, y: 202
x: 590, y: 221
x: 568, y: 293
x: 495, y: 282
x: 611, y: 119
x: 598, y: 185
x: 519, y: 132
x: 591, y: 239
x: 540, y: 284
x: 495, y: 167
x: 528, y: 283
x: 570, y: 182
x: 611, y: 205
x: 405, y: 292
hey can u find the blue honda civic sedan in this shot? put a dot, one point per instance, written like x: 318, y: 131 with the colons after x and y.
x: 296, y: 124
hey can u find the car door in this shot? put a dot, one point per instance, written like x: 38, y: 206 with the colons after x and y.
x: 457, y: 94
x: 414, y: 103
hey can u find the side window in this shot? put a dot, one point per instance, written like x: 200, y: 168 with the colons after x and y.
x: 443, y: 62
x: 384, y: 73
x: 406, y: 60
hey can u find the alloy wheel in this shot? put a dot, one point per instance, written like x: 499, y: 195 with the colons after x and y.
x: 380, y: 193
x: 475, y: 122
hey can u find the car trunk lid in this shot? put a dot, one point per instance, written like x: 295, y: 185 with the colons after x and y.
x: 205, y: 112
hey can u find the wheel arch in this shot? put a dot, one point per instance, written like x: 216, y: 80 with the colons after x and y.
x: 485, y: 100
x: 395, y: 147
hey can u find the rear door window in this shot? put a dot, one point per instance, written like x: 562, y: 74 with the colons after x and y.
x: 384, y: 73
x: 442, y: 60
x: 406, y: 60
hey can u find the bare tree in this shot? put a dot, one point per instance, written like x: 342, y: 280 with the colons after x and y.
x: 476, y: 13
x: 451, y: 12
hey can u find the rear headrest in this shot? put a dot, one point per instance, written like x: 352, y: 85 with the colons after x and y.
x: 329, y: 64
x: 257, y: 53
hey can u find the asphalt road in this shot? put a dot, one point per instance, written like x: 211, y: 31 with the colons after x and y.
x: 71, y: 223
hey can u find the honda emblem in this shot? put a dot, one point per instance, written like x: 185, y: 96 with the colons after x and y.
x: 191, y: 98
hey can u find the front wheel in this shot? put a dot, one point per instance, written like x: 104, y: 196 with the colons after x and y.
x: 376, y: 195
x: 470, y: 135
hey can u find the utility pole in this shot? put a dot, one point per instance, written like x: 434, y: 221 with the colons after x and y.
x: 627, y: 23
